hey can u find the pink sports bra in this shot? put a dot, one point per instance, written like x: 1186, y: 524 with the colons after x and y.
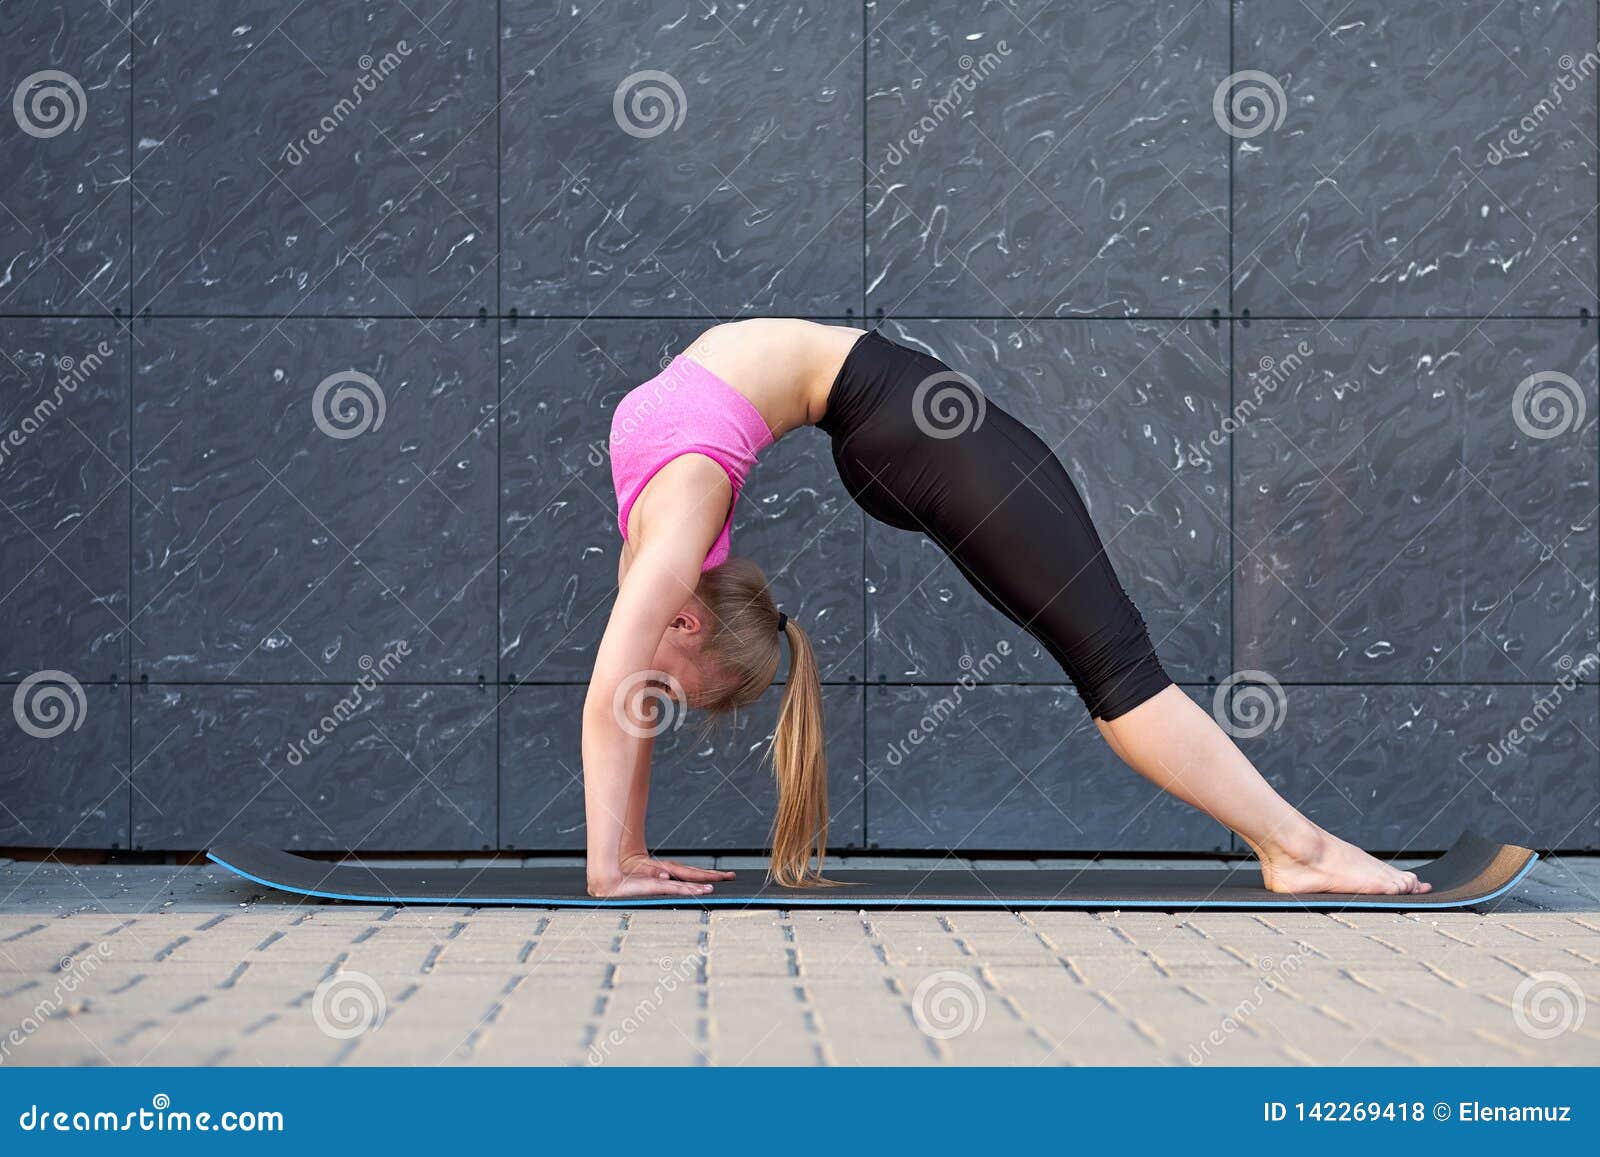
x: 685, y: 409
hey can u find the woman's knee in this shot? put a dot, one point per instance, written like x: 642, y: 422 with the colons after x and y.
x: 1117, y: 671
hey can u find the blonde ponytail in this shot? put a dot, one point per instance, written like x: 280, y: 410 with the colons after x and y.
x: 744, y: 652
x: 801, y: 765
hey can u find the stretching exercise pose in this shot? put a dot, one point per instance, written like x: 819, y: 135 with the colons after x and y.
x: 695, y: 626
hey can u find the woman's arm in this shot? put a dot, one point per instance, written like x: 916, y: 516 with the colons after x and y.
x: 636, y: 857
x: 673, y: 524
x: 614, y: 755
x: 633, y: 843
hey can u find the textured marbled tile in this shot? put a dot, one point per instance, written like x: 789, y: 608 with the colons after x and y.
x: 1532, y: 482
x: 1410, y: 768
x: 64, y: 221
x: 1395, y: 523
x: 689, y: 160
x: 67, y: 787
x: 63, y: 501
x: 392, y: 767
x: 1046, y: 159
x: 711, y: 791
x: 326, y: 158
x: 277, y: 551
x: 1430, y: 159
x: 559, y: 538
x: 1127, y: 407
x: 991, y: 767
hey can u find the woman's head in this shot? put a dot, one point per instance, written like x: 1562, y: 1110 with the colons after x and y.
x: 738, y: 651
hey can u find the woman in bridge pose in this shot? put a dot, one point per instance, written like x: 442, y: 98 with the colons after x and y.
x: 694, y: 627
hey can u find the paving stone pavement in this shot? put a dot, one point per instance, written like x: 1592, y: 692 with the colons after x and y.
x: 190, y: 965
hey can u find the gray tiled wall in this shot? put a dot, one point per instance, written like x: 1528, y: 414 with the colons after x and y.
x: 1281, y: 362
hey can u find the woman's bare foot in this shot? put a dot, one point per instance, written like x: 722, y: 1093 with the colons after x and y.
x: 1324, y: 863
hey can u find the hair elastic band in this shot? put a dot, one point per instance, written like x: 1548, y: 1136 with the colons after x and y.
x: 783, y: 621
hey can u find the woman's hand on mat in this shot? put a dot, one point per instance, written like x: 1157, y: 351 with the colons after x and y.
x: 648, y: 865
x: 624, y: 885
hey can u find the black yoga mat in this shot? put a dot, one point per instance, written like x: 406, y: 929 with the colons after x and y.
x: 1471, y: 872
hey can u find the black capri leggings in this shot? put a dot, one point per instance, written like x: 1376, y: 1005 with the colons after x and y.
x: 997, y: 502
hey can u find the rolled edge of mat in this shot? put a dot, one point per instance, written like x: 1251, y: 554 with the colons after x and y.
x: 1474, y: 869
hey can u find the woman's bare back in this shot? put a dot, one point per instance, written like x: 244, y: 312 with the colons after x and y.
x: 785, y: 366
